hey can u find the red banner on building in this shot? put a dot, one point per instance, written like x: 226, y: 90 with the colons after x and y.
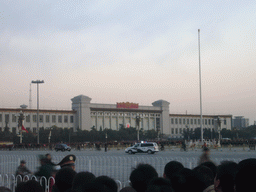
x: 127, y: 105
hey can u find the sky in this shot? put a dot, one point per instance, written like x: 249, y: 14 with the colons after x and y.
x: 137, y: 51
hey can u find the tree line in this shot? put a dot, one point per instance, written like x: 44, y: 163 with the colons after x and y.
x: 123, y: 134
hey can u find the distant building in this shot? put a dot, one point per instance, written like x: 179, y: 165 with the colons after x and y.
x: 85, y: 115
x: 240, y: 122
x: 181, y: 122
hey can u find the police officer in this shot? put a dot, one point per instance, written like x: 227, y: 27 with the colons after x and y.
x: 68, y: 161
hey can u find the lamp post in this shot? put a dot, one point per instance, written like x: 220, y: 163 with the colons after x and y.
x: 200, y: 89
x: 106, y: 144
x: 218, y: 122
x: 138, y: 127
x: 37, y: 118
x: 20, y: 123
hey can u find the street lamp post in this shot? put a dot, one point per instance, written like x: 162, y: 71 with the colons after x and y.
x: 37, y: 125
x: 200, y: 89
x: 138, y: 127
x: 106, y: 144
x: 20, y: 123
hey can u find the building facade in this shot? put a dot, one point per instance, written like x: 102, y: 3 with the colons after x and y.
x: 181, y: 122
x: 240, y: 122
x: 47, y: 118
x: 85, y: 115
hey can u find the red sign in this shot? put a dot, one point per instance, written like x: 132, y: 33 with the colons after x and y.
x: 127, y: 105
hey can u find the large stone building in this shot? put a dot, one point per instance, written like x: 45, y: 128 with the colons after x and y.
x: 85, y: 115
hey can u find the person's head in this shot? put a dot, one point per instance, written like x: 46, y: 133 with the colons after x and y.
x: 141, y: 176
x: 206, y: 175
x: 64, y: 178
x: 172, y: 168
x: 159, y: 185
x: 68, y: 161
x: 29, y: 186
x: 23, y: 163
x: 81, y: 180
x: 5, y: 189
x: 187, y: 180
x: 108, y: 183
x: 245, y: 176
x: 225, y: 178
x: 210, y: 165
x: 48, y: 156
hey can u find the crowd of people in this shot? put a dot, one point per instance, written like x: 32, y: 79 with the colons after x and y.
x: 206, y: 177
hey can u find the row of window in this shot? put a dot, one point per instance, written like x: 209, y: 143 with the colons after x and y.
x: 194, y: 121
x: 42, y: 118
x: 14, y: 129
x: 181, y: 130
x: 125, y: 114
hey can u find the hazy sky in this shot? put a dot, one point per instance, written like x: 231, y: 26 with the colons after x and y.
x: 138, y: 51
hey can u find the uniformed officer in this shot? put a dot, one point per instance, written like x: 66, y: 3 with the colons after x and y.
x: 68, y: 161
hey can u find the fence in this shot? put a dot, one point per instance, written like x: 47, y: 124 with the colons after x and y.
x: 116, y: 167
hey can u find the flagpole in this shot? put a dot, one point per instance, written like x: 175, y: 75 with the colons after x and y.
x: 200, y: 89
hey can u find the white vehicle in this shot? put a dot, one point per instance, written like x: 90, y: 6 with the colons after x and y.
x: 149, y: 148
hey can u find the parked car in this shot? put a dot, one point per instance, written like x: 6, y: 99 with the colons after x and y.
x: 62, y: 147
x: 150, y: 148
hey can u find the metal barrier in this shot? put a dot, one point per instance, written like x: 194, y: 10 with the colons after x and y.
x: 116, y: 167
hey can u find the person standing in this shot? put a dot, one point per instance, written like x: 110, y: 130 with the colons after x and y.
x: 205, y: 157
x: 22, y: 169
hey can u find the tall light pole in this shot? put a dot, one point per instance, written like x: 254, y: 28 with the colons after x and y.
x: 200, y: 89
x: 138, y: 127
x: 37, y: 118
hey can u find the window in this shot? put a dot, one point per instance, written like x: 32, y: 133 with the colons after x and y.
x: 205, y: 121
x: 47, y: 118
x: 213, y: 122
x: 191, y: 121
x: 41, y: 118
x: 54, y: 119
x: 176, y: 130
x: 28, y: 118
x: 172, y: 131
x: 198, y: 121
x: 59, y: 119
x: 7, y: 118
x: 180, y: 130
x: 187, y: 121
x: 209, y: 121
x: 72, y: 119
x: 195, y: 121
x: 65, y: 118
x: 176, y: 121
x: 179, y: 121
x: 225, y: 121
x: 184, y: 121
x: 171, y: 120
x: 0, y: 117
x: 34, y: 118
x: 13, y: 118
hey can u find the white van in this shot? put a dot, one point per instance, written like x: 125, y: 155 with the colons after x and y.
x: 149, y: 148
